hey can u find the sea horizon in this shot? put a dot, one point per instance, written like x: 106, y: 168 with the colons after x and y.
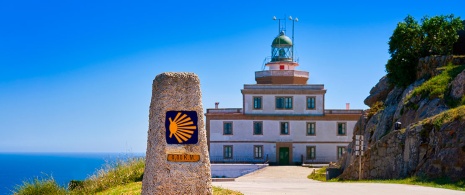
x: 18, y: 167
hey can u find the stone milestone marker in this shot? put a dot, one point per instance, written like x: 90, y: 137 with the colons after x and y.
x: 177, y: 160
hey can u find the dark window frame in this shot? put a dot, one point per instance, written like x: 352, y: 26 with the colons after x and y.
x: 255, y: 125
x: 228, y: 154
x: 340, y: 154
x: 286, y: 126
x: 258, y: 155
x: 311, y: 103
x: 307, y: 128
x: 341, y: 129
x: 257, y: 102
x: 309, y: 152
x: 231, y: 128
x: 284, y: 103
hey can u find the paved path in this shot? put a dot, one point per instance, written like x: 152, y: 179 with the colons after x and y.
x: 293, y: 180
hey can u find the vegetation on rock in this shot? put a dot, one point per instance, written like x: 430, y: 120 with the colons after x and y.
x: 437, y: 87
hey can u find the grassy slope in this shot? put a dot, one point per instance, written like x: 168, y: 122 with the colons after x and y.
x: 122, y: 177
x: 135, y: 188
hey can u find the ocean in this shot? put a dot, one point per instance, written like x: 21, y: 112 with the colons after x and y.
x: 63, y: 167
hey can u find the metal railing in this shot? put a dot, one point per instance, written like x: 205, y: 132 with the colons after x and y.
x: 286, y: 86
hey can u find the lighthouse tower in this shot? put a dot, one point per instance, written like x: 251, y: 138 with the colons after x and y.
x: 281, y: 67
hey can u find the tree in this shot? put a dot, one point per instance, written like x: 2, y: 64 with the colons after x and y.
x: 439, y: 34
x: 404, y: 47
x: 410, y: 41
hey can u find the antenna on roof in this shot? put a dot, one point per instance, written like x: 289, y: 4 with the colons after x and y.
x: 293, y: 43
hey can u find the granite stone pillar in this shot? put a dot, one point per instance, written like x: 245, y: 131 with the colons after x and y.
x: 177, y: 160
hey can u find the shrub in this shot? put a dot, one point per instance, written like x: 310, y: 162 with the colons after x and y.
x: 375, y: 108
x: 43, y: 186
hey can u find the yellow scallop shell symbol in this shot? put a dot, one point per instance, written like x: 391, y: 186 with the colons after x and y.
x: 181, y: 127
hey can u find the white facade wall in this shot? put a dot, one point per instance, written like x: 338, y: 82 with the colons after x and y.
x: 325, y: 140
x: 299, y: 104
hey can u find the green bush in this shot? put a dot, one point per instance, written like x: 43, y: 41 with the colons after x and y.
x: 411, y: 41
x: 44, y: 186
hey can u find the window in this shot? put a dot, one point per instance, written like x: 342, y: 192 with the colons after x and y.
x: 341, y: 128
x: 311, y: 128
x: 284, y: 103
x: 227, y: 151
x: 258, y: 128
x: 311, y: 152
x: 285, y: 128
x: 257, y: 102
x: 340, y: 151
x: 258, y: 151
x: 227, y: 128
x: 310, y: 103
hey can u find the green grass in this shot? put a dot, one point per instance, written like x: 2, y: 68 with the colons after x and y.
x: 318, y: 174
x: 133, y: 188
x: 122, y: 177
x: 39, y: 186
x: 437, y: 86
x: 112, y: 175
x: 436, y: 183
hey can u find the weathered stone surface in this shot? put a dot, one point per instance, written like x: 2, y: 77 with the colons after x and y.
x: 427, y: 66
x: 423, y: 147
x: 175, y: 92
x: 378, y: 92
x: 458, y: 86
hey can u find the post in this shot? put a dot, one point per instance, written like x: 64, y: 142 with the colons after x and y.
x: 177, y: 160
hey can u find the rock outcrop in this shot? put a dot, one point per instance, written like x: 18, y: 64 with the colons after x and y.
x: 378, y: 92
x: 426, y: 148
x: 458, y: 86
x: 431, y: 142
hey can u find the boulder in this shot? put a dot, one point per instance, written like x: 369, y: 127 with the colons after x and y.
x: 379, y: 92
x: 458, y: 86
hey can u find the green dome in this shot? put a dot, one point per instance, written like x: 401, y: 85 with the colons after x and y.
x: 281, y: 41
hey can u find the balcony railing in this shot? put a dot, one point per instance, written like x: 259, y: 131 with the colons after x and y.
x: 285, y: 87
x: 225, y: 110
x: 294, y: 73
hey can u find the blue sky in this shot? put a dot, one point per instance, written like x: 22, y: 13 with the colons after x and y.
x: 76, y: 76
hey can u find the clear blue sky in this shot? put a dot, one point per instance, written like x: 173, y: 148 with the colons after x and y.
x: 76, y: 76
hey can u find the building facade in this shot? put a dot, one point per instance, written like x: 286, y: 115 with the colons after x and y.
x: 283, y: 119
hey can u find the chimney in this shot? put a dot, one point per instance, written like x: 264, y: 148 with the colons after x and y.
x: 216, y: 105
x: 347, y: 106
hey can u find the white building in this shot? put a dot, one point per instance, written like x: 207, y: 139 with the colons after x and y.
x: 283, y: 119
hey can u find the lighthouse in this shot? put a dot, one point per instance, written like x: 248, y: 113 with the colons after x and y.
x: 281, y: 69
x: 283, y: 120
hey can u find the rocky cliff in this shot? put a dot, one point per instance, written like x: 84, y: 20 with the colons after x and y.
x: 431, y: 141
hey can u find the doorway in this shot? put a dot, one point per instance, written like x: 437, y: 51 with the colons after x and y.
x: 284, y: 156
